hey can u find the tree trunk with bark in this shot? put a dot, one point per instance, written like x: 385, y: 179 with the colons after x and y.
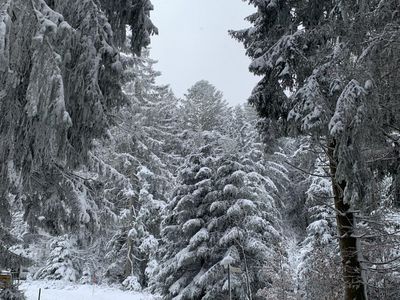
x: 349, y: 249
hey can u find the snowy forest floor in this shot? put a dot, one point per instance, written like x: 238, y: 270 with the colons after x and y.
x: 66, y: 291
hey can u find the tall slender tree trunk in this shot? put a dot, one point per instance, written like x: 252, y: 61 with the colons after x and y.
x: 129, y: 258
x: 349, y: 249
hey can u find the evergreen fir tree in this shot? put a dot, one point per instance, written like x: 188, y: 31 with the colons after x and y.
x: 228, y: 216
x: 316, y: 49
x: 60, y: 62
x: 203, y: 107
x: 60, y: 264
x: 134, y: 14
x: 320, y: 267
x: 142, y: 151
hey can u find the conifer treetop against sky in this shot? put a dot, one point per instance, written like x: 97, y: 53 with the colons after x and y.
x: 194, y: 44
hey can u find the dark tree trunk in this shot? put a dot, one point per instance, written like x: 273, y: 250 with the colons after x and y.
x: 352, y: 273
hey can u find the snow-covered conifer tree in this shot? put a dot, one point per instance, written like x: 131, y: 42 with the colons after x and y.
x: 132, y: 14
x: 142, y: 151
x: 223, y: 213
x: 59, y: 60
x: 61, y: 264
x: 319, y: 270
x: 315, y: 49
x: 203, y: 107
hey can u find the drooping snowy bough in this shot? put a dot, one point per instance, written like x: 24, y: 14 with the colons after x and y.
x: 60, y: 77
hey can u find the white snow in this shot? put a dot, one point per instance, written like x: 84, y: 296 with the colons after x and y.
x: 231, y: 235
x: 63, y: 291
x: 295, y: 255
x: 348, y: 108
x: 201, y: 236
x: 4, y: 21
x: 192, y: 225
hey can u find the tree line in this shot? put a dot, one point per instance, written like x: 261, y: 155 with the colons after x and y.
x: 112, y: 176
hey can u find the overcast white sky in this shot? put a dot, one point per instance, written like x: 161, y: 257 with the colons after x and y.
x: 194, y: 44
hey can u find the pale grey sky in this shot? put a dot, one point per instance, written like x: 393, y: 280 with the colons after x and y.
x: 194, y: 44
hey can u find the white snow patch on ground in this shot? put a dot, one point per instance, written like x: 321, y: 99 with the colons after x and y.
x: 64, y: 291
x: 295, y: 256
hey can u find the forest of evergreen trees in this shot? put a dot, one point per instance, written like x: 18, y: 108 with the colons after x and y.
x: 106, y: 174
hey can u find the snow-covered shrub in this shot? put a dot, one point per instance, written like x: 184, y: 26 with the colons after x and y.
x: 280, y: 280
x: 61, y: 263
x: 12, y: 293
x: 86, y: 277
x: 132, y: 283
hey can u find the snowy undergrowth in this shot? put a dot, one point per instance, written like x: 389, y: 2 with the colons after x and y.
x: 295, y: 255
x: 52, y: 290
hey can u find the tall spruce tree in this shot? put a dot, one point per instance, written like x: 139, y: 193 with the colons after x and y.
x: 316, y: 50
x: 319, y: 271
x: 226, y: 209
x: 142, y: 151
x: 132, y: 14
x: 60, y: 74
x: 203, y: 107
x: 60, y: 78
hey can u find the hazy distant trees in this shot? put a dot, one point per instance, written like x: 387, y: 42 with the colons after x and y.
x: 203, y: 107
